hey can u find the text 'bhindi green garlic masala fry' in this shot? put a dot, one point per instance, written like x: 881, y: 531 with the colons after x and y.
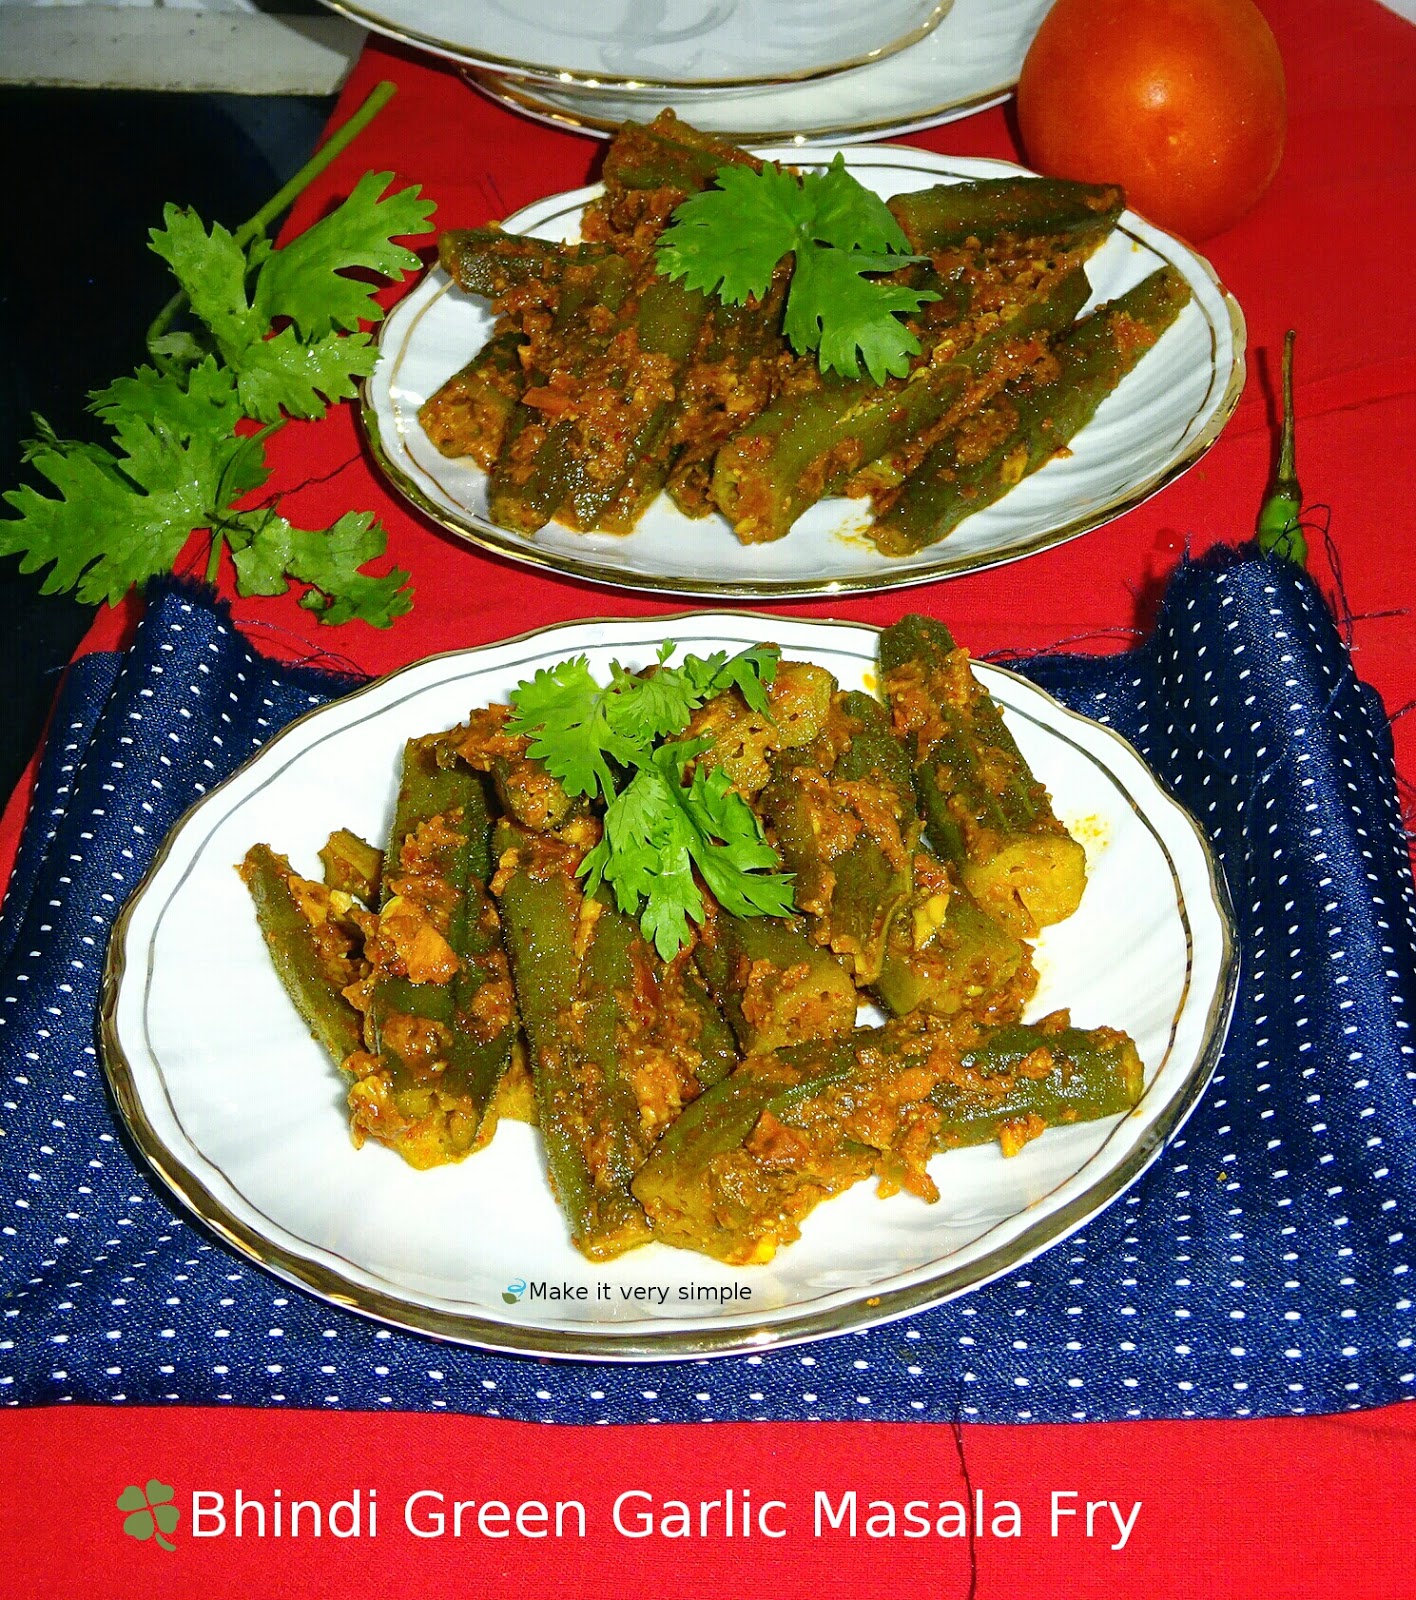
x: 644, y: 913
x: 750, y: 342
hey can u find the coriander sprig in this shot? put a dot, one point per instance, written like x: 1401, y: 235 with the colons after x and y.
x: 666, y: 817
x: 274, y: 333
x: 729, y: 240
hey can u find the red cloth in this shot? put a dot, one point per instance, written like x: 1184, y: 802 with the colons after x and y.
x: 1229, y: 1510
x: 1262, y: 1509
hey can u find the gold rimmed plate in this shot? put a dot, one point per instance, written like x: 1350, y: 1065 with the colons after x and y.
x: 686, y: 44
x: 1165, y: 414
x: 242, y: 1116
x: 969, y: 62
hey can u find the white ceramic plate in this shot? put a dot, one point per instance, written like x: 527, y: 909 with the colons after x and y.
x: 1161, y: 419
x: 701, y: 43
x: 242, y: 1115
x: 969, y: 62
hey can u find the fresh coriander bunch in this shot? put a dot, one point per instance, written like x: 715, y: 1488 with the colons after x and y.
x: 271, y: 334
x: 667, y: 820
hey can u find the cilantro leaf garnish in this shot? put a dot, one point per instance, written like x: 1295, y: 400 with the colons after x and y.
x: 729, y: 241
x: 578, y: 726
x: 116, y: 519
x: 274, y: 333
x: 658, y: 829
x: 843, y: 316
x: 307, y: 280
x: 662, y: 823
x: 563, y: 711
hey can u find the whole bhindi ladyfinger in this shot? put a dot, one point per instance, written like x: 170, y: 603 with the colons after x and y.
x: 1018, y: 1080
x: 806, y: 446
x: 843, y: 817
x: 440, y: 1022
x: 747, y: 1161
x: 984, y: 811
x: 313, y: 951
x: 620, y: 1040
x: 732, y: 377
x: 734, y: 1177
x: 949, y: 214
x: 469, y: 415
x: 1031, y: 419
x: 640, y: 396
x: 531, y: 477
x: 585, y: 1104
x: 668, y: 153
x: 490, y: 262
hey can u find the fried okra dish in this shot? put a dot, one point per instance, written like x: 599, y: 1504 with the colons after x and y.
x: 734, y: 938
x: 749, y: 340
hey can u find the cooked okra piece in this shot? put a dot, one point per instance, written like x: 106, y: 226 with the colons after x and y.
x: 701, y: 1038
x: 731, y: 379
x: 945, y: 954
x: 619, y: 1040
x: 1023, y: 1078
x: 440, y: 1017
x: 352, y: 866
x: 1031, y: 418
x: 807, y: 445
x: 531, y: 476
x: 490, y: 262
x: 588, y: 1114
x: 772, y: 983
x: 651, y: 1022
x: 746, y: 1162
x: 314, y: 949
x: 952, y: 214
x: 668, y: 153
x: 470, y: 414
x: 648, y: 172
x: 745, y: 740
x: 525, y: 790
x: 984, y: 810
x: 736, y: 1174
x: 637, y: 402
x: 844, y: 820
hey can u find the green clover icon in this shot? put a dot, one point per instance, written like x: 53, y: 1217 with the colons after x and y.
x: 151, y: 1516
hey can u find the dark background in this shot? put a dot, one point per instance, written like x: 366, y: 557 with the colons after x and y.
x: 78, y: 287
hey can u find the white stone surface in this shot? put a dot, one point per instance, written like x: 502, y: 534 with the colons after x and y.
x: 220, y: 46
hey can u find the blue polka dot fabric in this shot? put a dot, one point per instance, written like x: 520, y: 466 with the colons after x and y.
x: 1259, y: 1268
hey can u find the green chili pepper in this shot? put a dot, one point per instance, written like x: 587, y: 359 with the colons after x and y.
x: 1280, y: 530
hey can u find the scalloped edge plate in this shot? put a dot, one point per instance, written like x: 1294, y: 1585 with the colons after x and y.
x: 240, y: 1114
x: 1160, y: 420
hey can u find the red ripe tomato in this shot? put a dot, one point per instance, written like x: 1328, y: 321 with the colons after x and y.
x: 1181, y: 101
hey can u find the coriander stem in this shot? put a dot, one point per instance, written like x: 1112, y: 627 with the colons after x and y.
x: 213, y: 567
x: 339, y: 141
